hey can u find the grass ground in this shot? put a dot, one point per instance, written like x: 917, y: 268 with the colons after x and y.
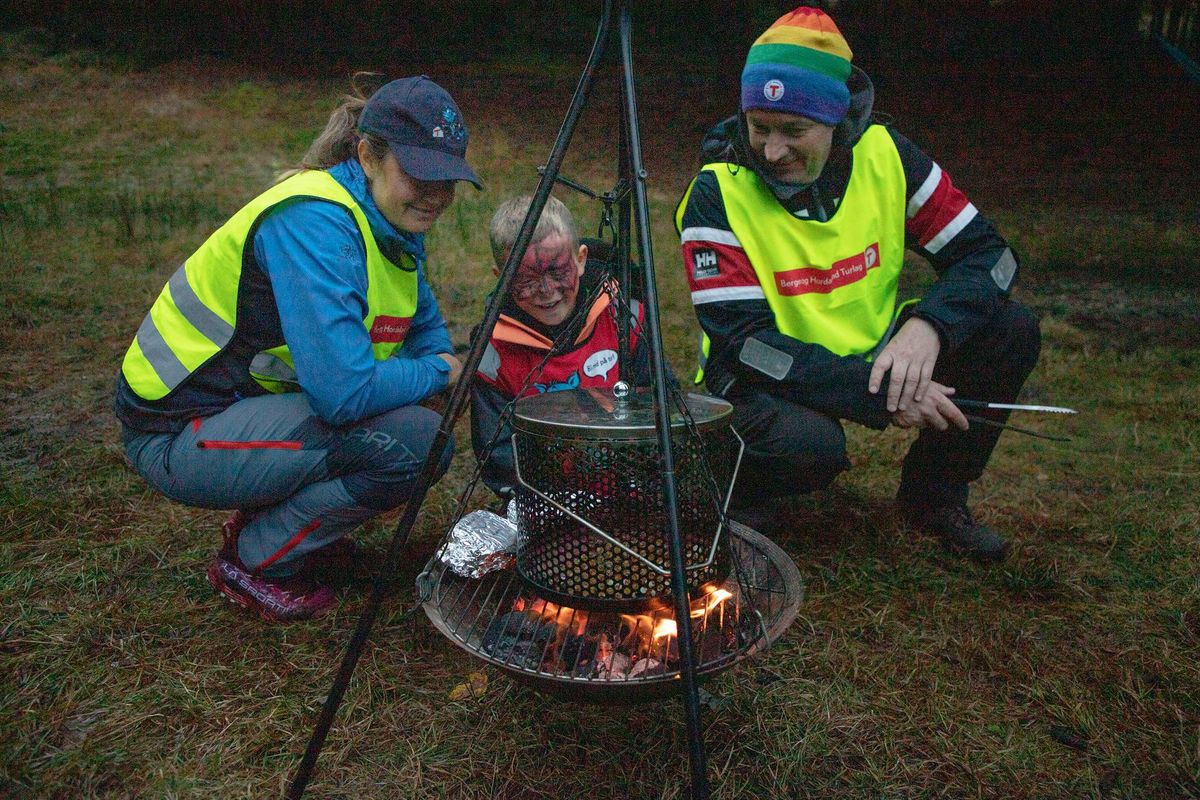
x: 1069, y: 671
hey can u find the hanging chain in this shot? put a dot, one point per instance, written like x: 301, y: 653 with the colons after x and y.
x: 606, y: 285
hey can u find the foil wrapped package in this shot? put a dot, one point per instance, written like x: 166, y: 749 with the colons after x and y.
x: 480, y: 542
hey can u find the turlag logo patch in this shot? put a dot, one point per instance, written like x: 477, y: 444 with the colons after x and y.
x: 390, y: 329
x: 818, y: 280
x: 773, y: 90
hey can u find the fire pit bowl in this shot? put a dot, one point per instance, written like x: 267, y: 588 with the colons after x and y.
x: 608, y: 656
x: 592, y: 522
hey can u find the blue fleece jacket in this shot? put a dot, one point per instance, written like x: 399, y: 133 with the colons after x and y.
x: 314, y: 255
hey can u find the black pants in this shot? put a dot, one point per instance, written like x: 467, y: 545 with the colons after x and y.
x: 791, y: 449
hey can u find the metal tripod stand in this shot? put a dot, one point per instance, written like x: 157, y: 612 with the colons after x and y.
x: 633, y: 219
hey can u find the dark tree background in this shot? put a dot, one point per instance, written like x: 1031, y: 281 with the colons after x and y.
x: 307, y: 35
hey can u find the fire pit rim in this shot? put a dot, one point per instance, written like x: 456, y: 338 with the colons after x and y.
x: 591, y: 689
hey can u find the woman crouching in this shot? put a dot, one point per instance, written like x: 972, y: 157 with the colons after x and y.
x: 279, y: 371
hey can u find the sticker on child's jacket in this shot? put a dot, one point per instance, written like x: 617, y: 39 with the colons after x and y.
x: 600, y: 363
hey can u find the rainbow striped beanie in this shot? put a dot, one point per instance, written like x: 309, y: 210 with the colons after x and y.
x: 799, y: 66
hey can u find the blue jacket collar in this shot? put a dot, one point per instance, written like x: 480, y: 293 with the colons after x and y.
x: 392, y: 242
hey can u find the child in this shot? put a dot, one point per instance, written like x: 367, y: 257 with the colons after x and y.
x: 540, y: 316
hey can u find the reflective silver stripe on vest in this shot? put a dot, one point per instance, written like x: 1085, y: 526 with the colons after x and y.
x: 1004, y: 269
x: 489, y: 365
x: 202, y: 318
x: 272, y: 367
x: 166, y: 365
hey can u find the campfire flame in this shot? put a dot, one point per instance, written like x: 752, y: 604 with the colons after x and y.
x: 710, y: 601
x: 563, y: 617
x: 665, y: 628
x: 644, y: 644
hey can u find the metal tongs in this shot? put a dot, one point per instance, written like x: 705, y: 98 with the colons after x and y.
x: 980, y: 404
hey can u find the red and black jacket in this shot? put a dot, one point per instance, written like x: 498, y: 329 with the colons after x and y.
x: 942, y: 226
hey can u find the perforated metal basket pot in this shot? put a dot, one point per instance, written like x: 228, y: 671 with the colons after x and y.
x: 593, y: 525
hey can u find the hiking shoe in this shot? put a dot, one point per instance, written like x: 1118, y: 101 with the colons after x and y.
x: 958, y: 531
x: 287, y: 599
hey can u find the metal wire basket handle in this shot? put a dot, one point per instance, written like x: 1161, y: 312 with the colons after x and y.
x: 660, y: 569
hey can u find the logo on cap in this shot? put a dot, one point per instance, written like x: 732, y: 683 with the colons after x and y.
x: 773, y: 90
x: 452, y: 125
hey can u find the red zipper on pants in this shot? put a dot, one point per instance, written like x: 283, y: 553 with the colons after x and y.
x: 264, y: 444
x: 254, y: 444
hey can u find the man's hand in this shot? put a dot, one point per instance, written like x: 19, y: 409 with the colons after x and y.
x: 455, y: 367
x: 911, y: 356
x: 934, y: 410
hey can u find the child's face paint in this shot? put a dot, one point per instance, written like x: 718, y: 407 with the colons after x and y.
x: 547, y: 282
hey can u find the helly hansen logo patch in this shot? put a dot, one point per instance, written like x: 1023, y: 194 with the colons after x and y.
x: 815, y: 280
x: 390, y: 329
x: 704, y: 264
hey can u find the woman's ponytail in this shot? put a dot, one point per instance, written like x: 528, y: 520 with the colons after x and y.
x: 339, y: 140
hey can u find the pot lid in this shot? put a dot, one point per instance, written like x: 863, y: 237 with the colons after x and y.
x: 598, y: 413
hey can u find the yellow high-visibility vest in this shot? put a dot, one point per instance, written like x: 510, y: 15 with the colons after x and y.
x: 829, y: 283
x: 195, y: 315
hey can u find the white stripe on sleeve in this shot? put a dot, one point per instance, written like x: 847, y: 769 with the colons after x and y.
x: 728, y: 293
x: 952, y: 228
x: 714, y: 235
x: 925, y: 192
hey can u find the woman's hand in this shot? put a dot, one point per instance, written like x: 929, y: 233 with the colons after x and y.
x: 911, y: 356
x: 455, y: 368
x: 934, y: 410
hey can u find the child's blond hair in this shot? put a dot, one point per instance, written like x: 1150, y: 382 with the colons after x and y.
x: 506, y: 224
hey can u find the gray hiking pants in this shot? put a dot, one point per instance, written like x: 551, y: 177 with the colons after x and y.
x: 303, y: 482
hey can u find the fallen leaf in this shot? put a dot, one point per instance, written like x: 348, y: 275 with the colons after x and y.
x: 475, y: 686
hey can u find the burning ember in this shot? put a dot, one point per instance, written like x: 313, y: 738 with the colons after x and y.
x: 539, y: 635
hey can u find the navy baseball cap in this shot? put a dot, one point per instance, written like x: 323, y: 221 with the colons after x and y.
x: 423, y: 128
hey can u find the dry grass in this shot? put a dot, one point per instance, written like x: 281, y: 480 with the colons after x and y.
x: 909, y: 674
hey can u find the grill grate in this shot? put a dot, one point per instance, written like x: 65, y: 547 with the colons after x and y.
x: 588, y: 654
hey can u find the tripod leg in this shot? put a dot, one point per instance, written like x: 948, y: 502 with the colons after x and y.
x: 625, y: 288
x: 687, y: 656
